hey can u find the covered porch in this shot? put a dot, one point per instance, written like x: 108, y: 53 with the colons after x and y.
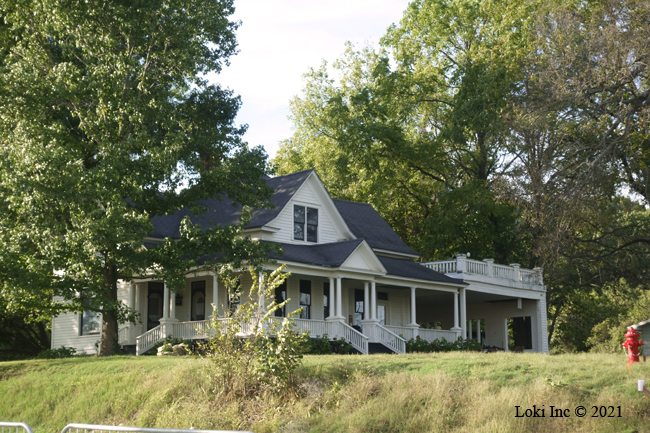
x: 362, y: 308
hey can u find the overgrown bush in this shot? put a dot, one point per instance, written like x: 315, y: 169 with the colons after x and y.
x: 61, y: 352
x: 419, y: 345
x: 169, y: 342
x: 323, y: 346
x: 252, y: 352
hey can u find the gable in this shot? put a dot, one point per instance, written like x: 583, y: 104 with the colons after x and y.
x: 311, y: 194
x: 363, y: 258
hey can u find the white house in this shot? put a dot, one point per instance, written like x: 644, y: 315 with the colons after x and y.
x: 352, y: 275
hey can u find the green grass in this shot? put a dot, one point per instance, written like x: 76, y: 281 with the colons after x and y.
x: 455, y: 392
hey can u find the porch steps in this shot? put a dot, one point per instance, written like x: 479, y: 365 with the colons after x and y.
x: 379, y: 348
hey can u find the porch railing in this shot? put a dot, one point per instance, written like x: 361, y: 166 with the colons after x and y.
x: 149, y: 339
x: 389, y: 339
x: 532, y: 277
x: 404, y: 331
x: 316, y: 328
x: 438, y: 334
x: 123, y: 335
x: 190, y: 330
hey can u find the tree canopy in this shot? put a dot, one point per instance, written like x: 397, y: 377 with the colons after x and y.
x: 512, y: 130
x: 106, y: 122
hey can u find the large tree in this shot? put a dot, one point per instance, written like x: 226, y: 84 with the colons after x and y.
x: 417, y: 126
x: 105, y: 123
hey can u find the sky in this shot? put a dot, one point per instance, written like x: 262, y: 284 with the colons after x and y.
x: 279, y: 40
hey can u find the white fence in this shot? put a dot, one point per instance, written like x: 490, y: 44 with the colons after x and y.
x: 389, y: 339
x: 15, y: 427
x: 531, y: 277
x: 91, y: 428
x: 438, y: 334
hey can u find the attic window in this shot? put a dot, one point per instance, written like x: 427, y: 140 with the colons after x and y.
x: 305, y: 218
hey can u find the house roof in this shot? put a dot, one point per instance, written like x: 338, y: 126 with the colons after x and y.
x: 329, y: 255
x: 361, y: 218
x: 334, y: 254
x: 220, y: 210
x: 409, y: 269
x: 365, y: 222
x: 638, y: 325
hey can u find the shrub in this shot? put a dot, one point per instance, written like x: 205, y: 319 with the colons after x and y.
x: 323, y: 346
x: 251, y: 351
x: 419, y: 345
x: 61, y: 352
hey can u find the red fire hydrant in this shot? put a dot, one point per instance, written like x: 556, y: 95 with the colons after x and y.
x: 632, y: 345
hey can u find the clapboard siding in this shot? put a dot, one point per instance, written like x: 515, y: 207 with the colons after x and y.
x: 309, y: 196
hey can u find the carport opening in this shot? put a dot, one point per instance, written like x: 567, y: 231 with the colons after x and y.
x: 520, y: 333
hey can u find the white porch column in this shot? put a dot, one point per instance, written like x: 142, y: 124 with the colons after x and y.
x: 166, y: 302
x: 463, y: 313
x: 413, y: 318
x: 542, y: 325
x: 373, y: 301
x: 331, y: 300
x: 137, y: 308
x: 504, y: 345
x: 172, y: 305
x: 339, y: 300
x: 262, y: 291
x: 455, y: 327
x: 215, y: 295
x: 132, y: 306
x: 478, y: 330
x: 366, y: 300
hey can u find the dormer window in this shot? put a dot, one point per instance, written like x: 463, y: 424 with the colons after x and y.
x: 305, y: 219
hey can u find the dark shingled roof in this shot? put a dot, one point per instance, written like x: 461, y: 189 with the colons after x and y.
x: 365, y: 222
x: 329, y: 255
x: 409, y: 269
x: 223, y: 212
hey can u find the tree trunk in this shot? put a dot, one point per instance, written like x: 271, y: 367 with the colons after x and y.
x: 109, y: 343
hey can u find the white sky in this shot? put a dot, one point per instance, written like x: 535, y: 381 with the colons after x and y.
x: 279, y: 40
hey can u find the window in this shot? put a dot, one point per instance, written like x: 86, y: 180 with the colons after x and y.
x: 234, y: 296
x: 305, y: 220
x: 326, y: 303
x: 280, y: 297
x: 90, y: 321
x: 358, y: 306
x: 305, y: 299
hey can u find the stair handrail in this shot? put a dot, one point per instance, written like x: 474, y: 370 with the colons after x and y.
x: 358, y: 340
x: 389, y: 339
x: 149, y: 339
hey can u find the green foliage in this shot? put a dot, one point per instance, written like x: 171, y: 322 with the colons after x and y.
x: 627, y: 307
x: 323, y: 346
x: 416, y: 128
x: 61, y: 352
x: 106, y: 123
x: 252, y: 353
x: 418, y: 345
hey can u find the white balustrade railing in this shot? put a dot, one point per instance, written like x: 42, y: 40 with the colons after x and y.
x: 190, y: 330
x: 404, y: 331
x: 389, y: 339
x: 438, y: 334
x: 352, y: 336
x: 501, y: 271
x: 123, y: 335
x: 316, y: 328
x: 149, y: 339
x: 531, y: 277
x: 476, y: 267
x: 444, y: 267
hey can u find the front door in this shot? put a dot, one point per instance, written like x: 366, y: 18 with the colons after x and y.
x: 198, y: 300
x: 154, y: 304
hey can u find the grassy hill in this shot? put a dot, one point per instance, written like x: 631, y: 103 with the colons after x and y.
x: 451, y: 392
